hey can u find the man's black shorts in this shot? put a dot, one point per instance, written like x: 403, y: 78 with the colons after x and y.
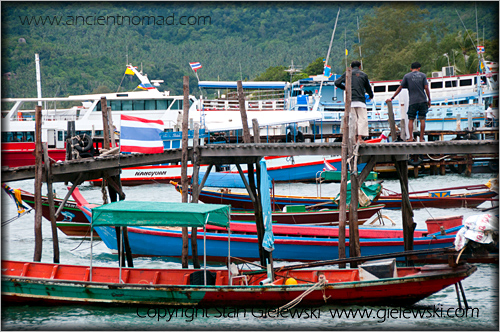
x: 420, y: 108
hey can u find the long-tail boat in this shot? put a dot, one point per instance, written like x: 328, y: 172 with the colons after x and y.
x: 439, y: 198
x: 292, y: 242
x: 27, y: 282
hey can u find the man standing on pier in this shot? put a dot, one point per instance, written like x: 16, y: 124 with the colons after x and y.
x: 416, y: 83
x: 359, y: 85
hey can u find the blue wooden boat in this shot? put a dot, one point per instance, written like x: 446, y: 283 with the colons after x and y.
x: 148, y: 241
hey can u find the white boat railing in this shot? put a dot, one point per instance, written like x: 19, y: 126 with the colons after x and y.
x: 251, y: 105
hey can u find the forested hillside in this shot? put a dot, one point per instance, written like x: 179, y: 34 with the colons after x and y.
x: 231, y: 40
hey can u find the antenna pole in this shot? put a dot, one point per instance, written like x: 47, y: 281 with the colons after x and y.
x: 359, y: 42
x: 329, y: 49
x: 38, y: 79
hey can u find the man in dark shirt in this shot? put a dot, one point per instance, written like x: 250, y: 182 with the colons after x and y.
x: 416, y: 83
x: 359, y: 85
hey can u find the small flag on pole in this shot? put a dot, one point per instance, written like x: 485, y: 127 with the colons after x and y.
x: 195, y: 66
x: 140, y: 135
x: 327, y: 71
x: 145, y: 86
x: 480, y: 49
x: 346, y: 52
x: 328, y: 166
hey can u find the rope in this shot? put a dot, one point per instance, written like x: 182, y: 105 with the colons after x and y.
x: 319, y: 285
x: 6, y: 222
x: 103, y: 190
x: 437, y: 159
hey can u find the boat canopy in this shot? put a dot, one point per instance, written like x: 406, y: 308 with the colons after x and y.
x: 133, y: 213
x: 245, y: 85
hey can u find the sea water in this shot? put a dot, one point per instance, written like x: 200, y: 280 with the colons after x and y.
x: 437, y: 312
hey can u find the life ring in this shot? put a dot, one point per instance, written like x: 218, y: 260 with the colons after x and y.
x: 493, y: 165
x: 416, y: 162
x: 458, y: 169
x: 83, y: 144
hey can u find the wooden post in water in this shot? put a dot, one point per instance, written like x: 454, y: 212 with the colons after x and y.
x: 105, y: 125
x: 406, y: 208
x: 111, y: 127
x: 392, y: 123
x: 256, y: 131
x: 343, y: 170
x: 251, y: 174
x: 195, y: 194
x: 38, y: 184
x: 352, y: 146
x: 50, y: 196
x: 243, y: 112
x: 184, y: 161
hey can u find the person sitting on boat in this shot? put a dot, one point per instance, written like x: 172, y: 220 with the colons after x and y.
x: 359, y: 86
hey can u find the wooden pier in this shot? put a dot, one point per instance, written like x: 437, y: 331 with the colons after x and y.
x: 94, y: 168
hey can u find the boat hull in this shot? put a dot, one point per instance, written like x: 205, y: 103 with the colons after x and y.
x: 67, y: 284
x: 160, y: 242
x: 240, y: 201
x: 330, y: 217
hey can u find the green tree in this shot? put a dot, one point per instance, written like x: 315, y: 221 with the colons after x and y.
x: 316, y: 67
x: 394, y: 37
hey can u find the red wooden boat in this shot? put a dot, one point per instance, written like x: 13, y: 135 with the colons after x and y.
x: 31, y: 283
x: 71, y: 221
x: 438, y: 198
x: 322, y: 217
x: 28, y: 283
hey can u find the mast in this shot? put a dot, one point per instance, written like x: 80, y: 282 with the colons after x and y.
x: 359, y: 42
x: 327, y: 57
x: 38, y: 79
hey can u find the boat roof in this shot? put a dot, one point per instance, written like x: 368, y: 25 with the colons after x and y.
x: 134, y: 213
x: 245, y: 85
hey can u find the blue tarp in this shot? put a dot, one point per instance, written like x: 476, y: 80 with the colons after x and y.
x: 265, y: 199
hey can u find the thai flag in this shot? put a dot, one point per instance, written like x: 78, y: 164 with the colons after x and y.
x: 195, y: 66
x: 140, y: 135
x: 480, y: 49
x: 328, y: 166
x: 145, y: 86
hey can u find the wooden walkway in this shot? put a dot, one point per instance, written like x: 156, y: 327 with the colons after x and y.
x: 94, y: 168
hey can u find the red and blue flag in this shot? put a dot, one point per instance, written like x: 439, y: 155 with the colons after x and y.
x: 195, y: 66
x: 140, y: 135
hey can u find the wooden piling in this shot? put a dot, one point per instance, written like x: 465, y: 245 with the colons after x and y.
x: 352, y: 147
x: 392, y: 123
x: 406, y: 208
x: 50, y: 196
x: 38, y: 184
x: 195, y: 194
x: 184, y: 161
x: 243, y: 112
x: 251, y: 175
x: 343, y: 170
x: 105, y: 125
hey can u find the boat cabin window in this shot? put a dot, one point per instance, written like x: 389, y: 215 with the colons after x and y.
x: 379, y: 88
x: 18, y: 136
x: 141, y: 105
x: 450, y: 84
x: 467, y: 82
x: 436, y: 85
x: 393, y: 87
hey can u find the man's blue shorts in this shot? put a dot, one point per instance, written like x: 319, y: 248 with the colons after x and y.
x: 419, y: 108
